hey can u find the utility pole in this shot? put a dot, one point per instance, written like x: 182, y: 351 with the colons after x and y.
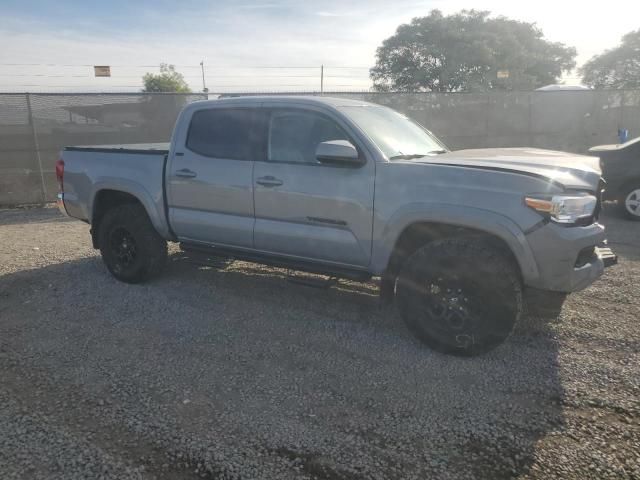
x: 321, y: 79
x: 204, y: 86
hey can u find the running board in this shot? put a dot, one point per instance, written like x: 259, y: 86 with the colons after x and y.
x: 204, y: 259
x: 278, y: 261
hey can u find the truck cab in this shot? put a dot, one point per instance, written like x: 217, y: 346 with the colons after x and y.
x: 245, y: 174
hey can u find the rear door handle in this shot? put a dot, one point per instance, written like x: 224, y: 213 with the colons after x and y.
x: 269, y: 181
x: 186, y: 173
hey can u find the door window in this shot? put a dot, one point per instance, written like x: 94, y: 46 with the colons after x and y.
x: 224, y: 133
x: 295, y: 135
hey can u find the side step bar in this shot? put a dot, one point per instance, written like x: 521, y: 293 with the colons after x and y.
x: 277, y: 261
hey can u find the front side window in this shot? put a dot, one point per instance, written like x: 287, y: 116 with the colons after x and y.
x: 224, y: 133
x: 294, y: 135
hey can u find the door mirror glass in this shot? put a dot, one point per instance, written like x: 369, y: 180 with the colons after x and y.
x: 338, y: 152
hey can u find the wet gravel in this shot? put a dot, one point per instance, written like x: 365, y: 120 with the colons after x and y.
x: 233, y: 371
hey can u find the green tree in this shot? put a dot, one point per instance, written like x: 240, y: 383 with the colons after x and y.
x: 161, y: 111
x: 168, y: 80
x: 468, y: 51
x: 615, y: 68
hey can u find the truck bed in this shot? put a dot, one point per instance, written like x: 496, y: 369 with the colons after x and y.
x: 135, y: 169
x: 136, y: 148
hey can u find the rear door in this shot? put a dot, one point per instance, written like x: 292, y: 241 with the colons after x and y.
x: 305, y: 209
x: 209, y: 184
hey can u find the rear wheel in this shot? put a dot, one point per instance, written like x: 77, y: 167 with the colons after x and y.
x: 629, y: 201
x: 459, y: 296
x: 131, y: 248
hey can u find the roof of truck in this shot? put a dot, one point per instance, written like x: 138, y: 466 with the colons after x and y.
x: 308, y: 99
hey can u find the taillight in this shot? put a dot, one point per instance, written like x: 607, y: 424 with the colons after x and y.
x: 60, y: 174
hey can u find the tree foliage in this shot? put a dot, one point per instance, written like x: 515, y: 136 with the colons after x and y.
x: 615, y: 68
x: 468, y: 51
x: 168, y: 80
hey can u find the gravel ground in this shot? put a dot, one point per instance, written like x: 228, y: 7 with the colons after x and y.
x: 232, y: 371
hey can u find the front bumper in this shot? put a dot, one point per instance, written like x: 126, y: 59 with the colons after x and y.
x: 584, y: 275
x: 560, y: 255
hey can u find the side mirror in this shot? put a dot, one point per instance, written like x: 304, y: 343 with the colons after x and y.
x: 338, y: 152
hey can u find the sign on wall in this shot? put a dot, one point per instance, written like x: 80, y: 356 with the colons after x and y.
x: 102, y: 70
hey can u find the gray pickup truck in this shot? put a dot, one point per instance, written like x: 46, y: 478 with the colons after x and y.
x: 353, y: 190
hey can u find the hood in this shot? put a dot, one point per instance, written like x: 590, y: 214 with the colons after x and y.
x: 570, y: 170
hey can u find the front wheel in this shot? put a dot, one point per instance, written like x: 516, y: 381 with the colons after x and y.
x: 131, y: 248
x: 629, y: 201
x: 459, y: 296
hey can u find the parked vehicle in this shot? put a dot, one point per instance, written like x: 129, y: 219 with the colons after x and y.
x: 620, y: 166
x: 349, y: 189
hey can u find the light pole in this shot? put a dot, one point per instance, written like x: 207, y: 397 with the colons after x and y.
x: 204, y: 86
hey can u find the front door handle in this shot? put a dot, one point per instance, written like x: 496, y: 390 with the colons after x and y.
x: 269, y: 181
x: 186, y: 173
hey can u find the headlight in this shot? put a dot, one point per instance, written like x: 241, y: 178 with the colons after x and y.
x: 564, y: 208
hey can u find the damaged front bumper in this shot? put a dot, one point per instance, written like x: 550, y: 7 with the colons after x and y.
x: 570, y: 259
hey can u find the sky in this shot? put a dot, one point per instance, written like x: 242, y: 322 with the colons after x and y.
x: 245, y: 45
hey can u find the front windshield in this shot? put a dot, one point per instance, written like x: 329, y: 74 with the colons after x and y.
x: 395, y: 134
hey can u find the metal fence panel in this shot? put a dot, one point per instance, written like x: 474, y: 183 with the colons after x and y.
x: 19, y: 172
x: 630, y: 114
x: 35, y: 127
x: 558, y: 120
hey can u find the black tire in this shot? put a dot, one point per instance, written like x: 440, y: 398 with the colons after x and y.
x: 459, y: 296
x: 131, y: 248
x: 629, y: 201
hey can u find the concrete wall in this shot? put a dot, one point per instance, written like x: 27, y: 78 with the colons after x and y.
x: 35, y: 127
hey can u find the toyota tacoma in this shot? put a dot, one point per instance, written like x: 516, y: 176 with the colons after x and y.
x: 349, y: 189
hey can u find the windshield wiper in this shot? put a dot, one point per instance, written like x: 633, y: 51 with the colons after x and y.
x: 416, y: 155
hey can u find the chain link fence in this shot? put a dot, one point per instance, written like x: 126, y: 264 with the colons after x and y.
x: 35, y: 127
x: 571, y: 121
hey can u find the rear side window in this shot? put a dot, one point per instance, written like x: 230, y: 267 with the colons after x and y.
x: 294, y: 135
x: 224, y: 133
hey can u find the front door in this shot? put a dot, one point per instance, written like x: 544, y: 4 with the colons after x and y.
x: 210, y: 186
x: 305, y: 209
